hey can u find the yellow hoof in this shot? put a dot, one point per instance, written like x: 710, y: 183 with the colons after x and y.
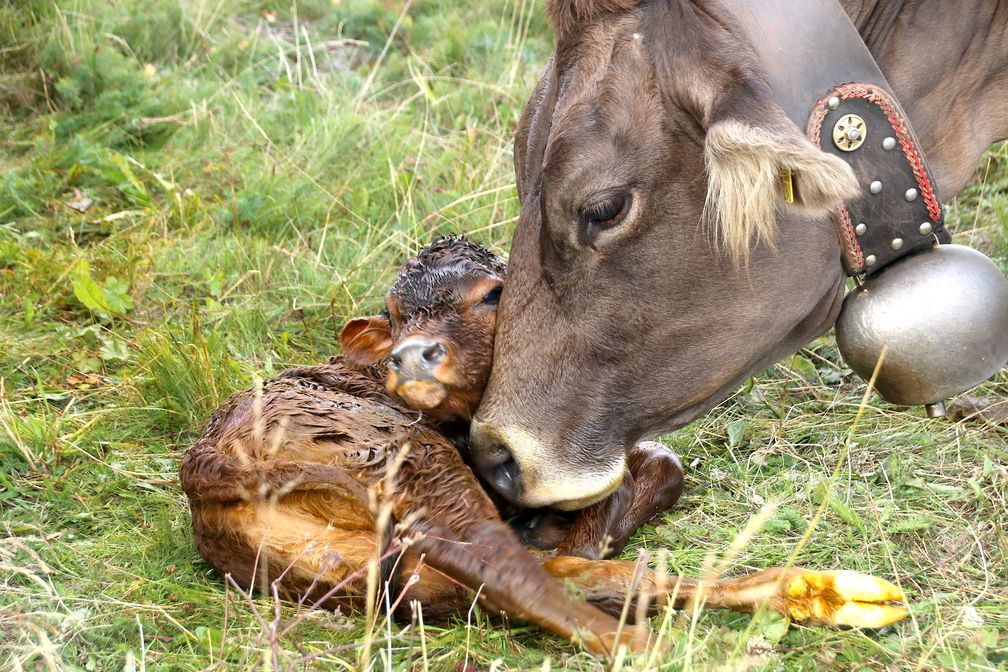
x: 859, y: 587
x: 862, y: 615
x: 843, y: 598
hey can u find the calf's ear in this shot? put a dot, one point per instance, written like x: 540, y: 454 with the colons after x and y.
x: 749, y: 163
x: 366, y: 340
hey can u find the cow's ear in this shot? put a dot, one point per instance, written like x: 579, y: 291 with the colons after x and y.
x: 366, y: 340
x: 749, y: 164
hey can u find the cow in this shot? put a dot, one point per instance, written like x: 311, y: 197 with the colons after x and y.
x: 655, y: 265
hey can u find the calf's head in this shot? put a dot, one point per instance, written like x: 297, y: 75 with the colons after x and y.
x: 436, y: 334
x: 655, y: 264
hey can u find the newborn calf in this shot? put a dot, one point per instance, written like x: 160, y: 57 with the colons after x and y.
x: 286, y: 484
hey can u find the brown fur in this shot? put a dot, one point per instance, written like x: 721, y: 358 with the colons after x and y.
x: 566, y: 15
x: 665, y: 102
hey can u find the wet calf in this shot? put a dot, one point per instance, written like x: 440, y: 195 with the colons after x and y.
x: 302, y: 482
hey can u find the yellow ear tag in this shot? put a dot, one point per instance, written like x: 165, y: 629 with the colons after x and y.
x: 787, y: 184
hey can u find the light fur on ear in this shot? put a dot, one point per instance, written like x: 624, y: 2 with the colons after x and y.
x: 744, y: 191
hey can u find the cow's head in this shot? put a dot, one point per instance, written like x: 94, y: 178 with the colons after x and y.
x: 655, y: 264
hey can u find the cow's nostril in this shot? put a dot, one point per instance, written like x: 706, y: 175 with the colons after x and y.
x: 503, y: 471
x: 434, y: 353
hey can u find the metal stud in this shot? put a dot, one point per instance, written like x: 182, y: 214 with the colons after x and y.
x: 911, y: 194
x: 869, y: 260
x: 860, y: 229
x: 833, y: 102
x: 889, y: 144
x: 875, y: 187
x: 896, y: 244
x: 925, y: 228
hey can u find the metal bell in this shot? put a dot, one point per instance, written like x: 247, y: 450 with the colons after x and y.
x: 943, y: 313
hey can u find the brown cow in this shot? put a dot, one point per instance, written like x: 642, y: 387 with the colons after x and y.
x: 649, y: 116
x: 279, y: 485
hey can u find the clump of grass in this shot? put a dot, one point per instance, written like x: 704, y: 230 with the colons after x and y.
x: 186, y: 375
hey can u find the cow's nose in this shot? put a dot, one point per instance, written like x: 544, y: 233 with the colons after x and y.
x: 417, y: 357
x: 495, y: 462
x: 498, y: 466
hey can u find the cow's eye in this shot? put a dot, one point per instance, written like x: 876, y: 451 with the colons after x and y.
x: 605, y: 213
x: 492, y: 297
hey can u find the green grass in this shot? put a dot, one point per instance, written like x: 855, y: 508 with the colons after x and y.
x: 256, y: 171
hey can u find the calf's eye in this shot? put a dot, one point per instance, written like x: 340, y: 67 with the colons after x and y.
x: 605, y: 213
x: 492, y: 297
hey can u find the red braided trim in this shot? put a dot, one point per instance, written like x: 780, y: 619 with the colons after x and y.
x: 853, y: 255
x: 815, y: 120
x: 904, y: 136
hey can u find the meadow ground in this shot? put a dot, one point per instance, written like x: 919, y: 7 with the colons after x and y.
x: 194, y: 193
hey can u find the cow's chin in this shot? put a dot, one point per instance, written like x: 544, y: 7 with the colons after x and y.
x: 571, y: 492
x: 584, y: 502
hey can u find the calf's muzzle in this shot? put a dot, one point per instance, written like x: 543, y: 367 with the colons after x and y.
x: 413, y: 365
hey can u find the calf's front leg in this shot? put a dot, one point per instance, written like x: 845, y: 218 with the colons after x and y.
x: 488, y: 557
x: 653, y: 484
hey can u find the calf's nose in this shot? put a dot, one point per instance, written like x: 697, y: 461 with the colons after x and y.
x: 417, y: 357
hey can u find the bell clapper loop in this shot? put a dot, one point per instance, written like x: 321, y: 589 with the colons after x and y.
x: 935, y: 410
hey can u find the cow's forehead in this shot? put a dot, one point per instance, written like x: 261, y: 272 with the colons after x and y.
x: 606, y: 119
x: 568, y: 15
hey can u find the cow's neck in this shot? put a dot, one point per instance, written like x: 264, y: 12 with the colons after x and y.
x: 947, y: 61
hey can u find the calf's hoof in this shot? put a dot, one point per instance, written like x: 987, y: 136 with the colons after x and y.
x: 839, y: 598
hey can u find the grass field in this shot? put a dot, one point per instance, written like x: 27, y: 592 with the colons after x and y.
x: 194, y: 193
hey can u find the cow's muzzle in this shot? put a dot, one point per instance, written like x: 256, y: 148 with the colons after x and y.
x: 523, y: 470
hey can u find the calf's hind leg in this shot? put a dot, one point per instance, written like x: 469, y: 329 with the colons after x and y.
x: 487, y: 557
